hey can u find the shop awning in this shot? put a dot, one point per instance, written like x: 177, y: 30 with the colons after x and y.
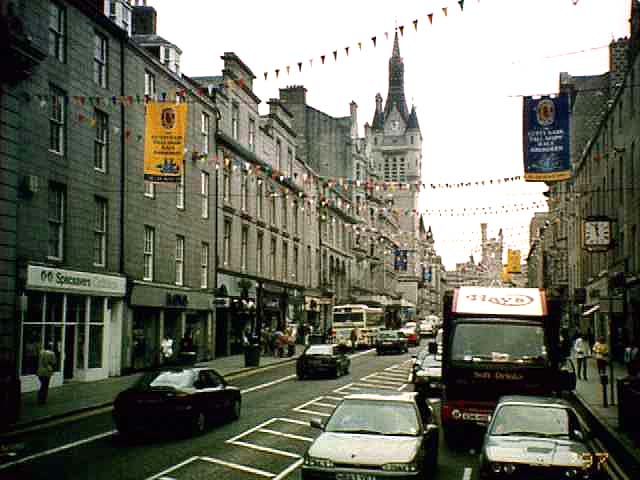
x: 591, y: 310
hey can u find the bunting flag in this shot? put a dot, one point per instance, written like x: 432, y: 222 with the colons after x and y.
x: 461, y: 3
x: 288, y: 69
x: 277, y: 72
x: 401, y: 28
x: 415, y: 25
x: 360, y: 45
x: 374, y: 41
x: 346, y: 50
x: 299, y: 66
x: 430, y: 17
x: 322, y: 57
x: 335, y: 55
x: 444, y: 10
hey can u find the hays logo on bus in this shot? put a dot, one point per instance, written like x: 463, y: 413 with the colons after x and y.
x: 500, y: 301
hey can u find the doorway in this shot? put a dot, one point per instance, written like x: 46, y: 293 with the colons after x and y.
x: 69, y: 351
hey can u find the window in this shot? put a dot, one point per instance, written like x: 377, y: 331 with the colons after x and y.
x: 272, y: 197
x: 149, y: 247
x: 244, y: 192
x: 179, y: 260
x: 285, y: 212
x: 96, y: 331
x: 309, y: 266
x: 204, y: 266
x: 259, y: 254
x: 285, y: 261
x: 289, y: 162
x: 279, y: 155
x: 57, y: 118
x: 294, y: 273
x: 100, y: 60
x: 252, y: 135
x: 149, y: 189
x: 180, y: 191
x: 56, y: 220
x: 204, y: 131
x: 272, y: 256
x: 296, y: 225
x: 57, y: 32
x: 149, y: 84
x: 226, y: 182
x: 226, y: 246
x: 260, y: 199
x: 235, y: 121
x: 100, y: 233
x: 244, y: 248
x: 204, y: 193
x: 102, y: 139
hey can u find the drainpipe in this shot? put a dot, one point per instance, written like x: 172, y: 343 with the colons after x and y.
x: 123, y: 157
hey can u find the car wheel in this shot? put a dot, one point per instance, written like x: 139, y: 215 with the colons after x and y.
x: 236, y: 408
x: 199, y: 423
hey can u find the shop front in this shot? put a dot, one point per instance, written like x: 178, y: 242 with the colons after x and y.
x: 159, y: 312
x: 236, y: 306
x: 79, y: 314
x: 318, y: 311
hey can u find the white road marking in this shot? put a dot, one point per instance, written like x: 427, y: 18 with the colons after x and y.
x: 251, y: 430
x: 390, y: 376
x: 371, y: 385
x: 313, y: 412
x: 328, y: 405
x: 333, y: 398
x: 291, y: 420
x: 266, y: 385
x: 237, y: 466
x: 382, y: 382
x: 265, y: 449
x: 402, y: 387
x: 286, y: 435
x: 467, y: 474
x: 57, y: 449
x: 288, y: 470
x: 171, y: 469
x: 306, y: 404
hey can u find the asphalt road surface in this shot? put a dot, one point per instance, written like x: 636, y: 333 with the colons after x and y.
x: 267, y: 442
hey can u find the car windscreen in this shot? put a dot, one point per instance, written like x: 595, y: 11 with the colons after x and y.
x: 173, y: 379
x: 498, y: 342
x: 374, y: 417
x: 344, y: 317
x: 533, y: 420
x: 387, y: 335
x: 320, y: 350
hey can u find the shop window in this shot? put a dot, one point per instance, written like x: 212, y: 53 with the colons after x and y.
x: 31, y: 344
x: 96, y: 332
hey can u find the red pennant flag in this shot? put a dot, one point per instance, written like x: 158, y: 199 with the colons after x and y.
x: 430, y: 17
x: 360, y: 45
x: 374, y: 41
x: 322, y: 57
x: 444, y: 9
x: 401, y: 28
x: 299, y: 66
x: 266, y: 74
x: 277, y: 72
x: 335, y: 55
x: 288, y: 69
x: 415, y: 25
x: 346, y: 50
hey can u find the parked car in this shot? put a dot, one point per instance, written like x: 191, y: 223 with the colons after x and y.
x: 323, y: 359
x: 538, y: 437
x: 374, y: 436
x: 427, y: 375
x: 391, y: 341
x: 410, y: 331
x: 427, y: 328
x: 180, y: 398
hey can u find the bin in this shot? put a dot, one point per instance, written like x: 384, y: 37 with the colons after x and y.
x: 252, y: 355
x: 628, y: 398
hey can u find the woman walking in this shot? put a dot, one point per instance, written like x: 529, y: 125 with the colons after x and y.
x: 601, y: 352
x: 581, y: 349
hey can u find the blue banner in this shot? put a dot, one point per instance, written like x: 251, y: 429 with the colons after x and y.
x: 547, y: 155
x: 401, y: 261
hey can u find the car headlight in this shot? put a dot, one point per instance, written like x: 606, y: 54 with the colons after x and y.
x: 317, y: 462
x: 400, y: 467
x: 507, y: 468
x: 571, y: 473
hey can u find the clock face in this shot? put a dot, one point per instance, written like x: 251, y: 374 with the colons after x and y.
x: 597, y: 233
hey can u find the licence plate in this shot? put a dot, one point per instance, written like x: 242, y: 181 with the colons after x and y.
x: 355, y: 476
x: 476, y: 417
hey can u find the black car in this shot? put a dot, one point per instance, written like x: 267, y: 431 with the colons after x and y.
x: 391, y: 341
x: 538, y: 437
x: 181, y: 398
x: 323, y: 359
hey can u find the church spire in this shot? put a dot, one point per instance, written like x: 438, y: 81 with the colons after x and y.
x: 396, y: 83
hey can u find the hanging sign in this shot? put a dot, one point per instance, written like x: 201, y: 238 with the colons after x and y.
x: 164, y: 141
x: 546, y: 139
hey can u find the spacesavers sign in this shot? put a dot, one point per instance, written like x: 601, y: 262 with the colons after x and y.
x: 58, y: 279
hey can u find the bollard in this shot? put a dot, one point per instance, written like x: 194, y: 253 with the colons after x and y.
x: 604, y: 380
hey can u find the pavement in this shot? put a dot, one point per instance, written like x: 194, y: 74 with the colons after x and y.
x: 617, y: 436
x: 76, y: 397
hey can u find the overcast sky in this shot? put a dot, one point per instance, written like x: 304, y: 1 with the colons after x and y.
x: 466, y: 74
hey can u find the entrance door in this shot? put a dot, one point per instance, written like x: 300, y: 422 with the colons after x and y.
x: 69, y: 351
x: 222, y: 332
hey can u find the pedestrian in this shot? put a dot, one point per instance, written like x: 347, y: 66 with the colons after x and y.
x: 582, y: 352
x: 46, y: 367
x: 187, y: 348
x: 166, y: 347
x: 601, y: 352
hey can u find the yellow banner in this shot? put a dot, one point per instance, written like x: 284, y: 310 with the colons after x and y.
x: 165, y: 130
x: 513, y: 265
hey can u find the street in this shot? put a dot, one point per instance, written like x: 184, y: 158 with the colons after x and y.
x: 267, y: 442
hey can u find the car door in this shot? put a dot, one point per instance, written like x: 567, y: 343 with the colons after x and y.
x: 220, y: 397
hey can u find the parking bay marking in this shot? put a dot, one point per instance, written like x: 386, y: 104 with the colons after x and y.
x: 466, y: 475
x: 237, y: 466
x: 264, y: 449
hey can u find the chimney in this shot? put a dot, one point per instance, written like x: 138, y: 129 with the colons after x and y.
x: 294, y: 95
x: 353, y: 108
x: 144, y: 18
x: 618, y: 62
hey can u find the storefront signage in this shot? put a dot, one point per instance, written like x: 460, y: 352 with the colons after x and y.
x: 177, y: 300
x: 500, y: 301
x: 58, y: 279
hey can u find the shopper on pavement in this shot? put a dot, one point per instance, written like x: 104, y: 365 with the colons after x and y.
x: 582, y: 352
x: 46, y: 366
x: 601, y: 352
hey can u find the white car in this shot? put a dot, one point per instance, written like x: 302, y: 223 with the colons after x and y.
x: 427, y: 328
